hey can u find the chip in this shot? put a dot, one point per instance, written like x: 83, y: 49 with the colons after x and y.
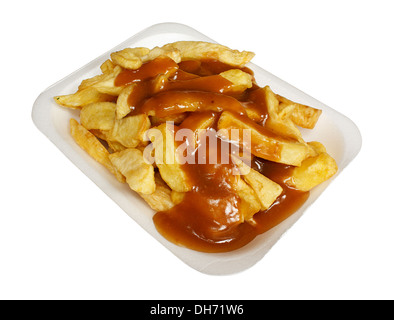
x: 160, y: 200
x: 129, y: 131
x: 140, y: 176
x: 249, y: 201
x: 263, y: 143
x: 205, y: 50
x: 129, y: 58
x: 266, y: 190
x: 122, y: 104
x: 167, y: 159
x: 312, y: 172
x: 99, y: 115
x: 240, y: 79
x: 302, y: 115
x: 93, y: 147
x: 106, y: 83
x: 82, y: 98
x: 279, y: 120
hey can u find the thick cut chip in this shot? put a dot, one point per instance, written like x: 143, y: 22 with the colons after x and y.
x: 279, y: 120
x: 122, y: 104
x: 101, y: 134
x: 93, y: 147
x: 176, y: 118
x: 253, y: 114
x: 99, y: 115
x: 167, y: 159
x: 87, y: 83
x: 82, y: 98
x: 249, y: 201
x: 261, y: 142
x: 313, y: 171
x: 305, y: 116
x: 266, y: 189
x: 133, y: 94
x: 114, y: 146
x: 240, y: 79
x: 129, y: 58
x: 302, y: 115
x: 197, y: 123
x: 177, y: 197
x: 106, y: 83
x: 206, y: 50
x: 172, y: 53
x: 140, y: 176
x: 317, y: 146
x: 107, y: 66
x: 160, y: 200
x: 129, y: 131
x: 133, y: 58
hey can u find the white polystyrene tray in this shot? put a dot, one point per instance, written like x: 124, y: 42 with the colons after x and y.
x: 339, y: 134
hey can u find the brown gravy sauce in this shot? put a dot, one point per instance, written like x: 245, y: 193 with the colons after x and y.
x: 208, y: 219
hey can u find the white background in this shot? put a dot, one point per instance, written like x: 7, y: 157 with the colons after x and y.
x: 61, y: 237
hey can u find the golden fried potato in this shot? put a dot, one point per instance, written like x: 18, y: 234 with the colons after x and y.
x: 207, y: 50
x: 129, y: 131
x: 177, y: 197
x: 240, y: 79
x: 279, y: 121
x: 249, y: 201
x: 129, y: 58
x: 114, y: 146
x: 312, y: 172
x: 160, y: 200
x: 122, y: 105
x: 302, y: 115
x: 134, y: 93
x: 266, y: 190
x: 176, y: 118
x: 317, y: 146
x: 263, y: 143
x: 253, y: 114
x: 197, y: 123
x: 172, y: 53
x: 166, y: 158
x: 88, y: 83
x: 101, y: 134
x: 82, y: 98
x: 140, y: 176
x: 106, y: 83
x: 99, y: 115
x: 107, y: 66
x: 88, y: 142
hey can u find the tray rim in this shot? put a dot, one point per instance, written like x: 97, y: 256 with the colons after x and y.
x: 218, y: 263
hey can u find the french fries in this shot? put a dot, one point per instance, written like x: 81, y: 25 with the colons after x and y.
x: 167, y: 159
x: 176, y: 136
x: 93, y: 147
x: 262, y: 142
x: 312, y: 172
x: 204, y: 50
x: 266, y: 190
x: 140, y: 175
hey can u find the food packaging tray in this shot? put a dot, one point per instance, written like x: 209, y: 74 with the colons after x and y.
x: 337, y: 132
